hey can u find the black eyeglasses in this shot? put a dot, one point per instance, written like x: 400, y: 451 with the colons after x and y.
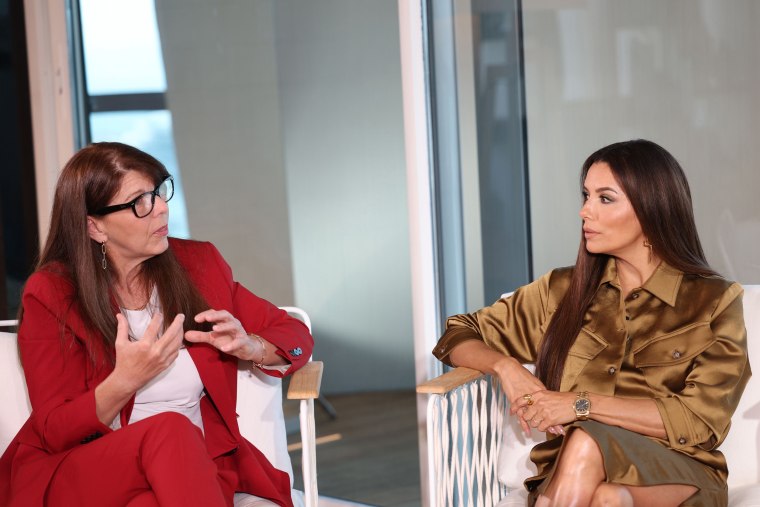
x: 142, y: 205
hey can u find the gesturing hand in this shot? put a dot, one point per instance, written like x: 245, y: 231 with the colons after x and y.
x: 139, y: 361
x: 227, y: 335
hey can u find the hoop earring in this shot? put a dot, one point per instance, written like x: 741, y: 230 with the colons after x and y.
x: 103, y: 262
x: 649, y: 246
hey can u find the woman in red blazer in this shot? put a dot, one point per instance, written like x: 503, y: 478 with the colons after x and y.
x: 108, y: 260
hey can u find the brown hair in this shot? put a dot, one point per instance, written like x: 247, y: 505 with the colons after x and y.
x: 89, y: 180
x: 659, y: 193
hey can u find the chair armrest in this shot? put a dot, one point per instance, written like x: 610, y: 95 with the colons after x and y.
x: 449, y: 381
x: 465, y: 425
x: 306, y: 382
x: 304, y: 386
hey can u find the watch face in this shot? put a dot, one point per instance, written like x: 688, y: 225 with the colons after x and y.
x: 582, y: 405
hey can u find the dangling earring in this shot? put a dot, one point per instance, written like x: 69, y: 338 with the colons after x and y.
x: 649, y: 246
x: 103, y: 250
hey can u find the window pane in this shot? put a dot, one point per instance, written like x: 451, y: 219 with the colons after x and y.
x: 150, y: 131
x: 122, y: 49
x: 679, y: 73
x: 479, y: 156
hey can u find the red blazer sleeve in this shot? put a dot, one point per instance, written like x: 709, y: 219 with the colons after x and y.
x: 59, y: 375
x: 213, y: 276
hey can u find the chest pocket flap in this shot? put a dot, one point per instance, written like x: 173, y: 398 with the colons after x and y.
x: 587, y: 345
x: 680, y: 346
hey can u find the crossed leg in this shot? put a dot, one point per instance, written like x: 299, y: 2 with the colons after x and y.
x: 578, y: 481
x: 161, y: 460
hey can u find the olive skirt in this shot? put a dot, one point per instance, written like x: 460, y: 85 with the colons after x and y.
x: 632, y: 459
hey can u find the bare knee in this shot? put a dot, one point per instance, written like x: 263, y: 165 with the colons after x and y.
x: 578, y: 472
x: 581, y: 459
x: 611, y: 495
x: 581, y: 449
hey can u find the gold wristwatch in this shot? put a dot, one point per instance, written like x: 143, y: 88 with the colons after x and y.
x: 582, y: 406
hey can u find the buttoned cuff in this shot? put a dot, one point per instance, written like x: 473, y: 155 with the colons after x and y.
x: 450, y: 339
x: 71, y: 423
x: 682, y: 427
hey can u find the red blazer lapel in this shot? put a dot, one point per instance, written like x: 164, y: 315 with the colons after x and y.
x: 221, y: 429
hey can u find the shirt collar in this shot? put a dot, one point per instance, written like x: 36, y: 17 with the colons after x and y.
x: 663, y: 284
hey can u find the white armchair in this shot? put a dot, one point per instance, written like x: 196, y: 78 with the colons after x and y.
x: 479, y: 457
x: 259, y: 406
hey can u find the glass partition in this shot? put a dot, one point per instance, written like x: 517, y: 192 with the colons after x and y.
x: 283, y: 119
x: 480, y: 183
x: 125, y: 84
x: 681, y: 73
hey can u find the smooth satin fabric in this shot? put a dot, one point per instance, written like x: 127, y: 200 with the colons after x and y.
x: 634, y: 460
x: 679, y: 339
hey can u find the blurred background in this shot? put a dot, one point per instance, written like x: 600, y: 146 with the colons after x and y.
x: 283, y: 123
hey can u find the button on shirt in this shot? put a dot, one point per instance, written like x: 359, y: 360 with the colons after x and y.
x: 650, y: 344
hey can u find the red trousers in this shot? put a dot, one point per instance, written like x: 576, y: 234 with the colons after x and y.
x: 159, y: 461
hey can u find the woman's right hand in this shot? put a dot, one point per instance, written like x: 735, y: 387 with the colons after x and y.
x: 137, y: 362
x: 517, y: 382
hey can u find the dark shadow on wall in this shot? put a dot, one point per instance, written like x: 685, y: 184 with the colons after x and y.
x: 19, y: 241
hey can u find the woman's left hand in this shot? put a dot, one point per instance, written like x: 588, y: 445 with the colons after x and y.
x: 545, y: 409
x: 227, y: 335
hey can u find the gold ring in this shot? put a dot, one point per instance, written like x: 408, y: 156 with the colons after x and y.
x: 527, y: 396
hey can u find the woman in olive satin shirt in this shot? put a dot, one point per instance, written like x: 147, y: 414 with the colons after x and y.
x: 640, y: 348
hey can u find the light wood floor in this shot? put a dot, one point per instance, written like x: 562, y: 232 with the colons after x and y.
x: 376, y: 459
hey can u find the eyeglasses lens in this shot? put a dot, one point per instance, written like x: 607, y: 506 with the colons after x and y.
x: 166, y: 189
x: 144, y: 203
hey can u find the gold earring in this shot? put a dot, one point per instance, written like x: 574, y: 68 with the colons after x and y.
x: 103, y: 251
x: 649, y: 246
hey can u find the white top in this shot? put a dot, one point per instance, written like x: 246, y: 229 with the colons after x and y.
x: 176, y: 389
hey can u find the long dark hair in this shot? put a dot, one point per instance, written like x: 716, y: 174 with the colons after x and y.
x: 88, y: 181
x: 657, y: 188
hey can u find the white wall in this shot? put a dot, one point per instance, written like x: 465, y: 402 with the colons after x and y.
x: 341, y: 109
x: 289, y: 136
x: 222, y: 92
x: 682, y: 73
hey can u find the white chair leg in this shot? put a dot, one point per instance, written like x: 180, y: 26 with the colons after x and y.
x: 309, y: 453
x: 433, y: 449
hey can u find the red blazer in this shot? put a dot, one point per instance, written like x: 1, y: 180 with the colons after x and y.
x: 61, y: 380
